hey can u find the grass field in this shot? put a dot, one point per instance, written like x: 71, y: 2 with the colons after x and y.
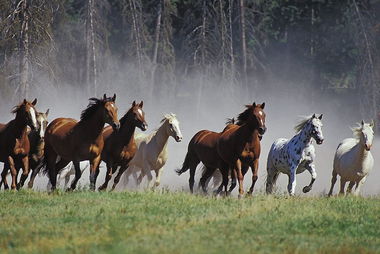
x: 167, y: 222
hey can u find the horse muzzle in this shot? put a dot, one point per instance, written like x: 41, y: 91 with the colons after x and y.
x: 319, y: 141
x: 368, y: 147
x: 178, y: 138
x: 262, y: 130
x: 116, y: 126
x: 144, y: 126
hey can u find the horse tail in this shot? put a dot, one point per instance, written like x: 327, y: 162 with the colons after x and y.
x: 230, y: 121
x: 185, y: 165
x: 44, y: 170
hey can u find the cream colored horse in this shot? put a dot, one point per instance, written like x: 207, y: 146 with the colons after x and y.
x: 152, y: 152
x: 353, y: 159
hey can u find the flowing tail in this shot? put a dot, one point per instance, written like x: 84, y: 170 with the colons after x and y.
x: 185, y: 165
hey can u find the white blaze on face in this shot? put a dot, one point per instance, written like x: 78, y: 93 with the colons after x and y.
x: 176, y: 128
x: 33, y: 116
x: 42, y: 130
x: 140, y: 112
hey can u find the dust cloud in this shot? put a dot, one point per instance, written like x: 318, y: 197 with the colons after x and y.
x: 208, y: 109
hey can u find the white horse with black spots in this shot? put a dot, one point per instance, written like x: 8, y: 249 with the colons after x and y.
x: 353, y: 159
x: 296, y: 155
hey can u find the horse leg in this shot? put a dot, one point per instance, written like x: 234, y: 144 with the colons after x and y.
x: 333, y: 181
x: 78, y: 174
x: 313, y: 173
x: 4, y: 176
x: 11, y: 164
x: 206, y: 176
x: 342, y: 185
x: 158, y: 176
x: 217, y: 178
x: 25, y: 171
x: 234, y: 175
x: 108, y: 177
x: 350, y: 186
x: 240, y: 176
x: 359, y: 185
x: 292, y: 180
x: 272, y: 175
x: 255, y: 171
x: 119, y: 174
x: 35, y: 170
x: 94, y: 164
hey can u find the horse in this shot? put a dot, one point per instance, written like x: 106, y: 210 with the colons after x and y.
x: 70, y: 140
x: 65, y: 174
x: 120, y: 146
x: 14, y: 142
x: 249, y: 158
x: 152, y: 152
x: 233, y: 149
x: 37, y: 145
x: 296, y: 155
x: 222, y: 150
x: 353, y: 160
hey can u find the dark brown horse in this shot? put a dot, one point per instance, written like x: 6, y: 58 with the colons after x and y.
x: 14, y: 142
x: 249, y: 157
x: 70, y: 140
x: 232, y: 144
x: 119, y: 146
x: 36, y: 152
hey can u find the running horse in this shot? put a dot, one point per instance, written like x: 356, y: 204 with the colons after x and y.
x: 222, y: 150
x: 120, y: 146
x: 14, y: 141
x: 69, y: 140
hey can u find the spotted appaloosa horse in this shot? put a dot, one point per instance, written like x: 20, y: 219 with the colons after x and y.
x: 14, y: 142
x: 296, y: 155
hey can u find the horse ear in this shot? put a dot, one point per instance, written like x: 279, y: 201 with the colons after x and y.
x: 372, y: 123
x: 24, y: 101
x: 313, y: 116
x: 254, y: 104
x: 34, y: 102
x: 133, y: 103
x: 114, y: 97
x: 263, y: 105
x: 362, y: 122
x: 141, y: 104
x: 320, y: 117
x: 47, y: 112
x: 104, y: 96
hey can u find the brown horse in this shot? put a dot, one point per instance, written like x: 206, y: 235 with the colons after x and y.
x: 36, y: 152
x: 249, y: 157
x: 14, y: 142
x: 70, y: 140
x: 119, y: 146
x: 232, y: 144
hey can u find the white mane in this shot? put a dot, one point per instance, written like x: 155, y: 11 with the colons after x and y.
x: 300, y: 125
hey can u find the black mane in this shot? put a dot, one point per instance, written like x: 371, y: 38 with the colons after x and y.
x: 94, y: 104
x: 243, y: 117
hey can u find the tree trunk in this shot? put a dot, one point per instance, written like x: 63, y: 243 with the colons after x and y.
x: 91, y: 50
x: 156, y: 44
x: 223, y: 38
x: 137, y: 33
x: 203, y: 57
x: 243, y: 46
x: 24, y: 50
x: 232, y: 55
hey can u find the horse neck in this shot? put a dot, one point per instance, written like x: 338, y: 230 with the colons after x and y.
x: 161, y: 137
x: 36, y: 143
x: 302, y: 139
x: 20, y: 126
x: 127, y: 132
x: 93, y: 126
x: 246, y: 133
x: 360, y: 150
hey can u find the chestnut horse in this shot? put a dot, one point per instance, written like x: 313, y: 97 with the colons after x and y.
x: 70, y: 140
x: 36, y: 152
x: 14, y: 142
x: 120, y: 146
x: 231, y: 145
x: 249, y: 157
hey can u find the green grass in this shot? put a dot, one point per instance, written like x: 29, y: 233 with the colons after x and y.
x: 167, y: 222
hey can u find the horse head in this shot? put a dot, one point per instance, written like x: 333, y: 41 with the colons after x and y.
x: 366, y: 134
x: 110, y: 111
x: 315, y: 128
x: 27, y: 112
x: 172, y: 126
x: 257, y: 117
x: 138, y: 115
x: 42, y: 123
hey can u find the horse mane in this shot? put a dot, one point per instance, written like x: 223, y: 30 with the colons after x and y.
x: 230, y: 121
x: 124, y: 118
x: 357, y: 131
x: 243, y: 117
x: 92, y: 107
x: 302, y: 124
x: 168, y: 116
x: 17, y: 108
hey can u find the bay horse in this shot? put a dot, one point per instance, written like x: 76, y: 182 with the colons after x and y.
x: 14, y: 142
x: 353, y: 159
x: 294, y: 156
x: 152, y: 152
x: 232, y: 145
x: 249, y: 158
x: 120, y: 146
x: 69, y: 140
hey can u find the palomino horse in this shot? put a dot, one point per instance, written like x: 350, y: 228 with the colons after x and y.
x: 37, y: 145
x: 232, y: 145
x: 207, y: 146
x: 152, y: 152
x: 295, y: 155
x: 353, y: 159
x: 69, y: 140
x: 249, y: 157
x: 14, y: 142
x: 120, y: 146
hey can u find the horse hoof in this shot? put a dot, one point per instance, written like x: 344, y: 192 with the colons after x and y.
x: 306, y: 189
x: 101, y: 188
x: 68, y: 189
x: 240, y: 196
